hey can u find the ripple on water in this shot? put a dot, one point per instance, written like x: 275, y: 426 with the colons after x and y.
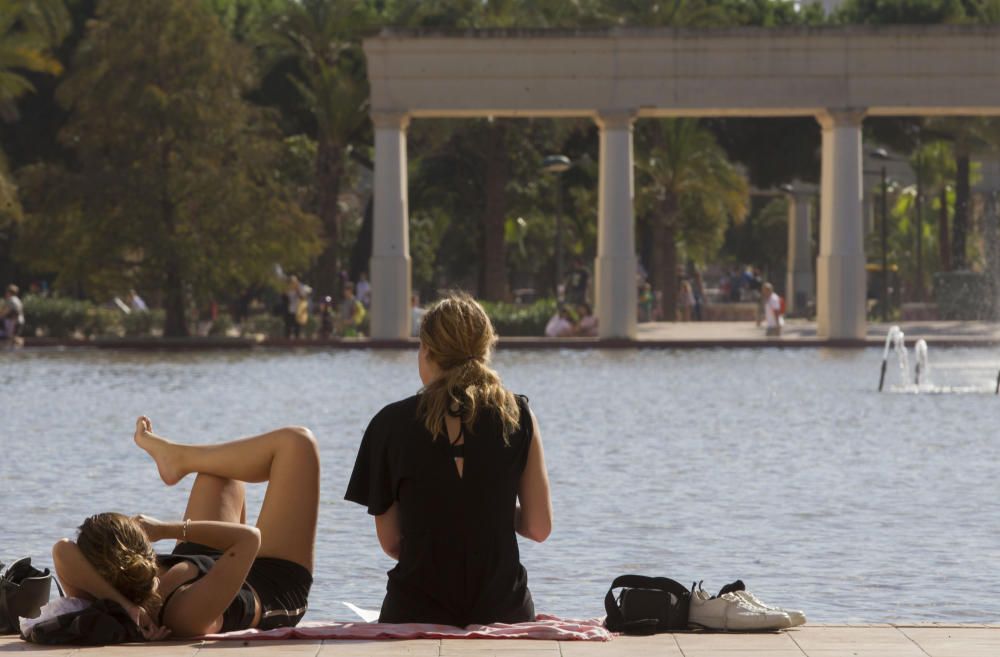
x: 783, y: 468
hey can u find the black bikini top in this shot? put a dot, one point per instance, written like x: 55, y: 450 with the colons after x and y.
x: 240, y: 612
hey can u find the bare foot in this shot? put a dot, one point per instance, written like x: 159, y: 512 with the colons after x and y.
x: 160, y: 449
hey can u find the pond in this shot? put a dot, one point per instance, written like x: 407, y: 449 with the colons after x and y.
x: 784, y: 468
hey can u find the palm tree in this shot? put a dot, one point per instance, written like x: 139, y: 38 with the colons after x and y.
x: 29, y: 29
x: 688, y: 191
x: 323, y: 37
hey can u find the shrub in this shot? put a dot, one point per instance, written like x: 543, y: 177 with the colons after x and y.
x: 271, y: 326
x: 221, y: 325
x: 59, y: 317
x: 529, y: 319
x: 138, y: 323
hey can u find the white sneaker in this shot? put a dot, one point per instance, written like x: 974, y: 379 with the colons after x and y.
x: 797, y: 617
x: 732, y: 613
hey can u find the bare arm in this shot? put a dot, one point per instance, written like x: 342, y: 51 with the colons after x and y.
x: 533, y: 516
x: 387, y: 529
x: 80, y: 579
x: 196, y: 609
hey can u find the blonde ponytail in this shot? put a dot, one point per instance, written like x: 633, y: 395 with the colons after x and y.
x: 459, y: 338
x: 117, y: 548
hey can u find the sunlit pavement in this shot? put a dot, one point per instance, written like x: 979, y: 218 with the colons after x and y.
x: 935, y: 640
x: 796, y: 333
x: 971, y: 333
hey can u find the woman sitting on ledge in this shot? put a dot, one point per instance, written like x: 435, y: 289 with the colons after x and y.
x: 443, y: 471
x: 222, y: 575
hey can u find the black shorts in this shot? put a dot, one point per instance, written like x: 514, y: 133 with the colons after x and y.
x: 282, y: 586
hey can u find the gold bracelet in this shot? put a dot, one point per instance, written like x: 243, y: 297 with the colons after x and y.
x: 184, y: 529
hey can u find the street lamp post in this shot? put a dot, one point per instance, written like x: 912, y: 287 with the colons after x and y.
x: 557, y: 164
x: 919, y: 223
x: 881, y: 154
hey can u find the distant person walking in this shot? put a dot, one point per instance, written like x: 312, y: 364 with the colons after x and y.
x: 646, y: 302
x: 772, y: 310
x: 12, y: 314
x: 685, y: 301
x: 326, y: 317
x: 297, y: 309
x: 351, y: 315
x: 698, y: 287
x: 135, y: 302
x: 363, y: 290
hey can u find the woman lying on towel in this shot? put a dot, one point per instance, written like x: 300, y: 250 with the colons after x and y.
x: 450, y: 475
x: 222, y: 575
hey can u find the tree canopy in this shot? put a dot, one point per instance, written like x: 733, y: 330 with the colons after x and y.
x: 175, y: 182
x: 234, y: 135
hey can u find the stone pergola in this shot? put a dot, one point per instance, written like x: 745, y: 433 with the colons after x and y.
x: 614, y: 76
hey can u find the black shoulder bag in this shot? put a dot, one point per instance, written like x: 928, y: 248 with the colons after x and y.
x: 646, y: 605
x: 24, y: 589
x: 102, y: 623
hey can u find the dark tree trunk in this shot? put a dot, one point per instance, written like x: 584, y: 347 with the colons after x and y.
x: 663, y: 274
x: 493, y: 280
x: 361, y: 252
x: 669, y: 274
x: 960, y: 223
x: 175, y: 320
x: 944, y: 251
x: 329, y: 173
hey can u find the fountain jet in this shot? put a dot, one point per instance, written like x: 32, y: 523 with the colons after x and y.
x: 892, y: 339
x: 921, y: 369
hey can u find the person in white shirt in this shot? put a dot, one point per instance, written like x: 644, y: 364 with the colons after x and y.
x: 587, y: 324
x: 363, y: 290
x: 135, y: 302
x: 560, y: 325
x: 12, y: 314
x: 417, y: 315
x: 772, y: 310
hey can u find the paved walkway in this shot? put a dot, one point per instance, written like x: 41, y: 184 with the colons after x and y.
x: 671, y: 335
x: 809, y: 641
x: 801, y: 331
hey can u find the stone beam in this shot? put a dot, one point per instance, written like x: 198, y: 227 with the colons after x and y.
x: 899, y: 70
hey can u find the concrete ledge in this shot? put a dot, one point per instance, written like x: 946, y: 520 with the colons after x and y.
x: 902, y: 640
x: 798, y: 334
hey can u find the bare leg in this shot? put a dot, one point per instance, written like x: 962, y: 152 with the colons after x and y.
x: 286, y: 458
x: 216, y: 498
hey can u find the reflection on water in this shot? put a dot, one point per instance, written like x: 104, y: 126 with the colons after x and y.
x: 783, y: 468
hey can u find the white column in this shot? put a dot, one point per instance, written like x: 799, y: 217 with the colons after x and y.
x: 390, y: 262
x: 615, y: 293
x: 800, y: 284
x: 840, y: 268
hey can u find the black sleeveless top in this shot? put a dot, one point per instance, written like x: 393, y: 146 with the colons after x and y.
x: 459, y: 562
x: 239, y: 614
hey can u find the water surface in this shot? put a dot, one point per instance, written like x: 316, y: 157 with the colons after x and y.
x: 783, y: 468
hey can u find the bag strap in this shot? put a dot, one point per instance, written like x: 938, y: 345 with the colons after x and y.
x: 615, y: 621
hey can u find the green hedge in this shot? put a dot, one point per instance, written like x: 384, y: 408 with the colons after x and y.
x: 271, y: 326
x: 529, y: 319
x: 143, y: 323
x: 63, y: 318
x: 59, y: 317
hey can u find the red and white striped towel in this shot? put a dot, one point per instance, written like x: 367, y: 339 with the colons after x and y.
x: 544, y: 627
